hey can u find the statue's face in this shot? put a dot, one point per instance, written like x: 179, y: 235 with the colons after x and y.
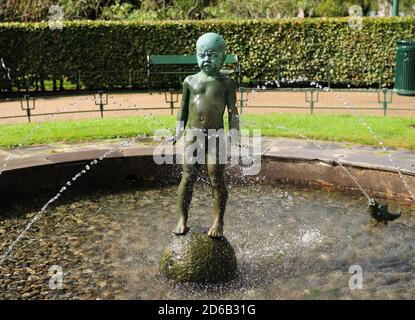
x: 210, y: 58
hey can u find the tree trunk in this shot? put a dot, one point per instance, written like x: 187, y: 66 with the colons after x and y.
x: 385, y: 8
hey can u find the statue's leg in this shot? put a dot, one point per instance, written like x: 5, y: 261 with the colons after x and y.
x: 185, y: 197
x: 220, y: 197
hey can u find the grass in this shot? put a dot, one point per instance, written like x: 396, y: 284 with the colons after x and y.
x: 395, y: 132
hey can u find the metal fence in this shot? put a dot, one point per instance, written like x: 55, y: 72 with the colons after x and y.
x: 171, y: 98
x: 101, y: 99
x: 311, y: 96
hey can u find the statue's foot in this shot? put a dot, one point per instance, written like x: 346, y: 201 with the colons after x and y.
x: 216, y: 231
x: 181, y: 228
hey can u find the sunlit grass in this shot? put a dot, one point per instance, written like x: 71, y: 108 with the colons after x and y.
x: 393, y: 131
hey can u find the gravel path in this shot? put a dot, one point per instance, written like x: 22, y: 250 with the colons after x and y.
x: 145, y: 104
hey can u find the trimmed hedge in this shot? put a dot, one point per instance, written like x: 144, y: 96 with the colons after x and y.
x: 111, y: 53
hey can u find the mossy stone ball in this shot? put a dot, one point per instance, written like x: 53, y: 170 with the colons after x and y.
x: 198, y: 258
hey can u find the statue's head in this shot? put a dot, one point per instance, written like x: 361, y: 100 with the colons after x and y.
x: 210, y: 52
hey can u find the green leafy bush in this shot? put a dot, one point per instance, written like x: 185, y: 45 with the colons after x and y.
x: 113, y: 53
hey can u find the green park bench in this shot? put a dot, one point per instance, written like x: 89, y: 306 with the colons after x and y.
x: 183, y: 65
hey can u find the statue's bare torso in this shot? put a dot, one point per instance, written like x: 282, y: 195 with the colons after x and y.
x: 207, y: 100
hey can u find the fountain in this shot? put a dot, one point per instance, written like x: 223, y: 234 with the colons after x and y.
x: 291, y: 241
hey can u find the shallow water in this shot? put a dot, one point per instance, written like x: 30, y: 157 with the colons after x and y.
x: 290, y: 244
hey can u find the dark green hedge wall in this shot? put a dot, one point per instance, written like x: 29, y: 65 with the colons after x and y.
x: 113, y: 52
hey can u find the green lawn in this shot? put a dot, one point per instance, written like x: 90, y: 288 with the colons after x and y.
x: 394, y: 131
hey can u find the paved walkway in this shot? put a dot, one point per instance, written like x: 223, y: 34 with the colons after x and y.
x: 360, y: 156
x: 258, y: 102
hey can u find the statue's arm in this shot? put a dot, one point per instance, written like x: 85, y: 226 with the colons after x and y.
x: 183, y: 114
x: 233, y: 115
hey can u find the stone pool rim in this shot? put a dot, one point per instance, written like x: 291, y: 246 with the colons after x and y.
x: 45, y: 173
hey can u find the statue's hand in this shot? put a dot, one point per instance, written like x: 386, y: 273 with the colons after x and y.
x: 173, y: 140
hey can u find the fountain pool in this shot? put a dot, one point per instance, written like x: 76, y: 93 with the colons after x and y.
x: 292, y: 243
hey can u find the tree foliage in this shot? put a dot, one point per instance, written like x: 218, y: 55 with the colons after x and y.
x: 37, y: 10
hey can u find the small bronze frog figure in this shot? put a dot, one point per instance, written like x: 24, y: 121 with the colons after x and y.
x: 380, y: 212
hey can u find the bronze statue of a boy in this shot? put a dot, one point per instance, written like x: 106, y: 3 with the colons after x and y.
x: 205, y: 97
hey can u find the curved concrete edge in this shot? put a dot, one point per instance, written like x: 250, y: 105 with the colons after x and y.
x: 33, y: 176
x: 346, y: 163
x: 317, y: 173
